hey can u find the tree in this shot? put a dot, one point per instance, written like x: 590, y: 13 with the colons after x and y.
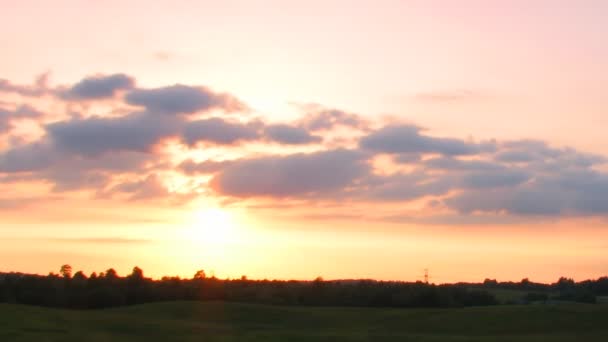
x: 79, y: 279
x: 66, y: 271
x: 111, y: 274
x: 565, y: 285
x: 80, y: 276
x: 490, y: 282
x: 137, y: 274
x: 199, y: 275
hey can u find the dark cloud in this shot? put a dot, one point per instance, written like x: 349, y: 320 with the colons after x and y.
x: 478, y: 173
x: 98, y: 87
x: 538, y: 153
x: 75, y: 172
x: 572, y: 193
x: 407, y: 158
x: 68, y: 171
x: 407, y: 139
x: 406, y: 187
x: 524, y: 151
x: 527, y: 201
x: 98, y: 135
x: 454, y: 164
x: 286, y: 134
x: 494, y: 178
x: 219, y: 131
x: 292, y: 175
x: 182, y: 99
x: 438, y: 176
x: 27, y: 158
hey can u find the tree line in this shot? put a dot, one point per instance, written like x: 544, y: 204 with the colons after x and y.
x: 108, y: 289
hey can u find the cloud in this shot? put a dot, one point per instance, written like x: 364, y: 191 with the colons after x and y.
x: 407, y: 139
x: 286, y: 134
x: 573, y: 193
x: 219, y: 131
x: 407, y: 158
x: 478, y: 173
x: 107, y: 156
x: 224, y: 132
x: 538, y: 152
x: 318, y: 118
x: 150, y: 187
x: 98, y: 135
x: 182, y: 99
x: 75, y: 172
x: 454, y: 164
x: 98, y: 87
x: 27, y: 158
x: 508, y: 201
x: 18, y: 202
x: 71, y: 172
x: 406, y: 187
x: 292, y: 175
x: 72, y: 169
x: 494, y: 178
x: 39, y: 88
x: 9, y: 116
x: 190, y: 167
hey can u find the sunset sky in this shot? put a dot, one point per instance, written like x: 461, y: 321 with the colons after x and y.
x: 296, y: 139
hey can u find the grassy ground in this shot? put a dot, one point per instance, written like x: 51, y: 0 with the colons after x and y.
x: 191, y: 321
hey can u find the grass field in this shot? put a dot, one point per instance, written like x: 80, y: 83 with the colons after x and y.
x: 192, y: 321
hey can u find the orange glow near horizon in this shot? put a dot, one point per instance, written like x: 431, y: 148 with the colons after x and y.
x: 102, y: 180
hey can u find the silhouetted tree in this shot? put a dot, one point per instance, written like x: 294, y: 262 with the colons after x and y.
x: 490, y: 282
x: 80, y: 276
x: 66, y: 271
x: 137, y: 273
x: 111, y: 274
x: 200, y: 274
x: 108, y: 289
x: 565, y: 284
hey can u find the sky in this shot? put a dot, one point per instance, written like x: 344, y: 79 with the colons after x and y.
x: 296, y: 139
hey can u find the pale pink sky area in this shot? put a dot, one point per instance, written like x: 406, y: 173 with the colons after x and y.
x: 291, y: 139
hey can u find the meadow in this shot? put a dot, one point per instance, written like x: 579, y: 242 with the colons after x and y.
x: 222, y: 321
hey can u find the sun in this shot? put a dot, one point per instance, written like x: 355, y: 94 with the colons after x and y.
x: 211, y: 226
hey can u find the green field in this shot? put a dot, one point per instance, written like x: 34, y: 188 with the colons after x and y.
x: 192, y: 321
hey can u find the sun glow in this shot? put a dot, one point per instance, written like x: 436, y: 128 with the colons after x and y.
x: 212, y: 226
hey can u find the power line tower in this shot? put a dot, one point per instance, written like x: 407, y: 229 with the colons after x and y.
x: 426, y: 276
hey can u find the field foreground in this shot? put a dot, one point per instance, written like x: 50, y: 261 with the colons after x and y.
x: 215, y: 321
